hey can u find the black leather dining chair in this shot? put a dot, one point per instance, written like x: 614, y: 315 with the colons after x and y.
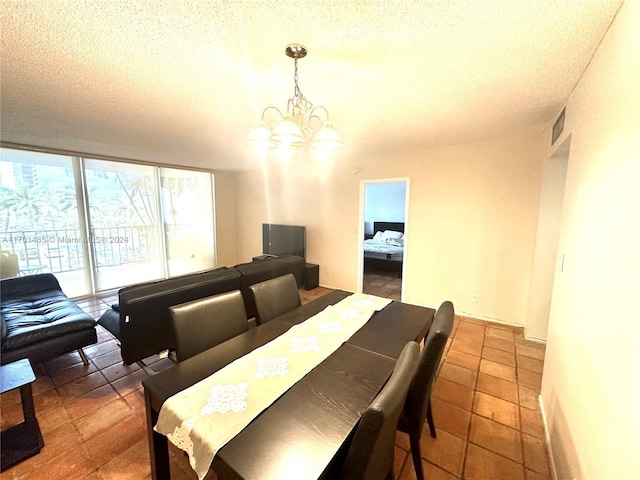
x: 275, y: 297
x: 370, y: 454
x: 204, y: 323
x: 418, y: 403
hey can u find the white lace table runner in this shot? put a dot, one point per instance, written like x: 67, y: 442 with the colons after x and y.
x: 203, y: 418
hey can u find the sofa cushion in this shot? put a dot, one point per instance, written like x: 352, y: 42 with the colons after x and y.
x: 39, y: 321
x: 33, y: 318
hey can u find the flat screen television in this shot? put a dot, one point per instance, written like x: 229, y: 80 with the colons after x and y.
x: 280, y: 240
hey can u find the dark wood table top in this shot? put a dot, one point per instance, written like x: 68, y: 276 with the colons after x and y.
x: 189, y: 372
x: 16, y: 374
x: 389, y: 330
x: 299, y: 435
x: 382, y: 333
x: 306, y: 431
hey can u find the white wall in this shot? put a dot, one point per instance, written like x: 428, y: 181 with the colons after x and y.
x: 591, y: 379
x: 383, y: 202
x: 474, y: 209
x: 225, y: 216
x: 472, y: 213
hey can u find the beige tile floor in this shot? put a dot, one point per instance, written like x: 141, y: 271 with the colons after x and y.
x: 484, y: 401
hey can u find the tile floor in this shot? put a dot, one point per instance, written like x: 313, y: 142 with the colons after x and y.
x: 484, y: 402
x: 485, y: 407
x: 382, y: 283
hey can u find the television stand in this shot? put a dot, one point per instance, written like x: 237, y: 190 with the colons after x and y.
x: 310, y: 275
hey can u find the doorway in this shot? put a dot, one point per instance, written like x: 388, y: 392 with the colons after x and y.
x: 547, y: 261
x: 384, y: 233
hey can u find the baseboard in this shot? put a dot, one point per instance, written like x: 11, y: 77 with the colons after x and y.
x: 547, y: 439
x: 470, y: 315
x: 502, y: 322
x: 535, y: 339
x: 488, y: 319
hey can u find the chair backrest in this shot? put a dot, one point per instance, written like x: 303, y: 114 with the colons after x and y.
x: 201, y: 324
x: 370, y: 455
x: 275, y: 297
x: 415, y: 408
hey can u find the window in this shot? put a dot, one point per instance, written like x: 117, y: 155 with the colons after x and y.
x: 100, y: 224
x: 187, y: 204
x: 40, y: 221
x: 124, y: 222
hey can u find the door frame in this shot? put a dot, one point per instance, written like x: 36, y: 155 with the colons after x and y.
x: 363, y: 184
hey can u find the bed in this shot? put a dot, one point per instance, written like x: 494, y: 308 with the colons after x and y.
x: 385, y: 249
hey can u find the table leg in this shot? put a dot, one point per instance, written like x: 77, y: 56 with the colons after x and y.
x: 158, y: 446
x: 29, y: 412
x: 23, y: 440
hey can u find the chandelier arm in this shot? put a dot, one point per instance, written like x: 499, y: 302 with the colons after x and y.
x: 290, y: 106
x: 313, y: 115
x: 271, y: 108
x: 319, y: 107
x: 314, y: 127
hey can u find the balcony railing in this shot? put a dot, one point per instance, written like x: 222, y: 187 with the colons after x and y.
x: 61, y: 250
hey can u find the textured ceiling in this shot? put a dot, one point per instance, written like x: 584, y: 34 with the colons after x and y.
x: 185, y: 82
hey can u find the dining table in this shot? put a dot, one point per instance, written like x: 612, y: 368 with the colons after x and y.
x: 306, y: 432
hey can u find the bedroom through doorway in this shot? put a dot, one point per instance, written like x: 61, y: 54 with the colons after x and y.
x: 383, y: 221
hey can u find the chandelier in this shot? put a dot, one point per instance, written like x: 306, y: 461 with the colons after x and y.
x: 303, y: 125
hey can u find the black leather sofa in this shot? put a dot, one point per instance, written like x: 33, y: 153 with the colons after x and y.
x: 141, y: 322
x: 39, y: 321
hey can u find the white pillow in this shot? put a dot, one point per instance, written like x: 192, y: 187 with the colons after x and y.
x: 391, y: 234
x: 378, y: 236
x: 398, y: 242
